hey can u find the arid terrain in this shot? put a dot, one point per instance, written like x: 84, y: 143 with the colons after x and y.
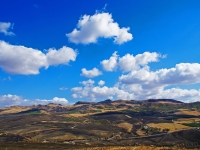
x: 120, y: 124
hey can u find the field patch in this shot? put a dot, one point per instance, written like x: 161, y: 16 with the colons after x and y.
x: 194, y: 124
x: 125, y: 125
x: 188, y: 112
x: 171, y: 126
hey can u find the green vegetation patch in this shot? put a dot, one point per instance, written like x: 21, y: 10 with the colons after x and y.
x: 159, y: 107
x: 94, y: 111
x: 128, y: 111
x: 74, y: 112
x: 73, y: 120
x: 84, y: 111
x: 102, y: 121
x: 194, y: 124
x: 34, y: 113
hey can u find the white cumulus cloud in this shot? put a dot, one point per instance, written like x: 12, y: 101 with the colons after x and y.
x: 18, y: 59
x: 61, y: 56
x: 13, y: 100
x: 133, y: 91
x: 90, y: 73
x: 58, y: 100
x: 90, y: 91
x: 184, y: 95
x: 183, y: 73
x: 129, y: 62
x: 111, y: 63
x: 138, y: 81
x: 9, y: 100
x: 145, y: 83
x: 5, y: 27
x: 101, y: 83
x: 99, y: 25
x: 87, y: 82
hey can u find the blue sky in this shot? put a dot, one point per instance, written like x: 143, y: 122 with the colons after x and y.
x: 66, y: 51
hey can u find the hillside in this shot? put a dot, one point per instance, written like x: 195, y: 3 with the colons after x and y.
x: 159, y: 122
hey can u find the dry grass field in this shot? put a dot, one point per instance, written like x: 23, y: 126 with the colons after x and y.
x: 64, y: 147
x: 188, y: 112
x: 187, y: 120
x: 135, y: 148
x: 172, y: 126
x: 12, y: 110
x: 66, y: 136
x: 140, y: 132
x: 125, y: 125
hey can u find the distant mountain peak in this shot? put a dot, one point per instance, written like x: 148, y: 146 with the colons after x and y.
x: 83, y: 102
x: 164, y: 100
x: 108, y: 101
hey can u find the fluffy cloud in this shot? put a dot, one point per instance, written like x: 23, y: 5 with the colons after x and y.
x: 184, y: 95
x: 139, y: 82
x: 90, y: 91
x: 5, y: 27
x: 99, y: 25
x: 149, y: 84
x: 140, y: 76
x: 129, y: 62
x: 9, y: 100
x: 22, y: 60
x: 12, y: 100
x: 183, y: 73
x: 101, y: 83
x: 90, y: 73
x: 136, y: 91
x: 88, y: 82
x: 111, y: 63
x: 61, y: 56
x: 58, y: 100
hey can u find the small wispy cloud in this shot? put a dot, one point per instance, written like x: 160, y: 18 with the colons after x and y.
x: 5, y: 27
x: 104, y: 8
x: 63, y: 88
x: 7, y: 78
